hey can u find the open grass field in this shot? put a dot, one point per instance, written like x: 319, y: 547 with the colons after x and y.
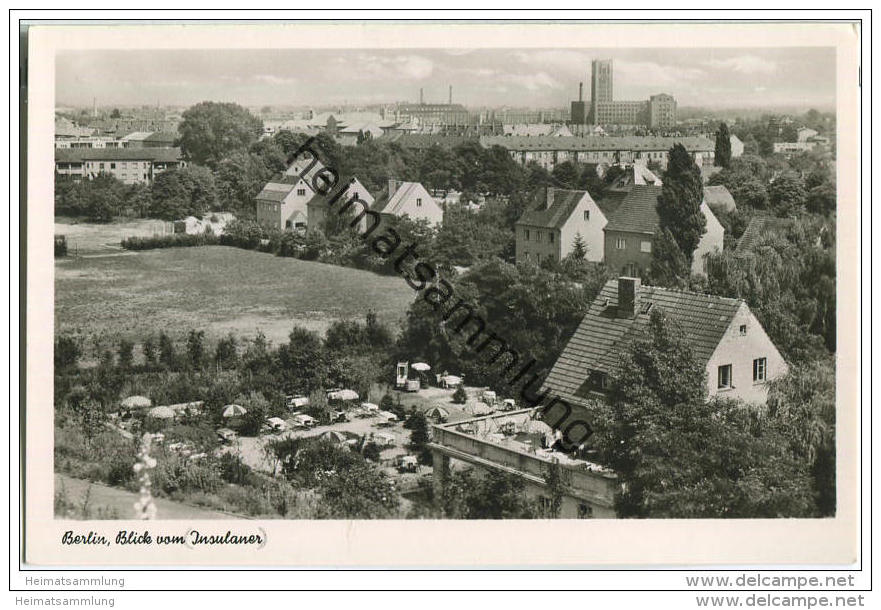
x: 85, y: 239
x: 217, y: 289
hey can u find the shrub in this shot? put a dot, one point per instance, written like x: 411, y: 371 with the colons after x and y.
x: 177, y: 240
x: 460, y: 396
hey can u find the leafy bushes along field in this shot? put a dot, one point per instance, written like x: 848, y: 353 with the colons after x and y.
x: 178, y: 240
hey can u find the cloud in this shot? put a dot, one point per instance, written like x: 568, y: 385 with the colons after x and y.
x: 575, y: 62
x: 272, y: 79
x: 649, y: 73
x: 745, y: 64
x: 415, y: 67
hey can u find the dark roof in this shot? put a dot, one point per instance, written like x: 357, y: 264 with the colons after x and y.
x: 637, y: 212
x: 611, y: 143
x: 539, y: 214
x: 610, y: 201
x: 78, y: 155
x: 761, y: 225
x: 161, y: 136
x: 427, y: 140
x: 322, y: 200
x: 602, y: 337
x: 268, y: 194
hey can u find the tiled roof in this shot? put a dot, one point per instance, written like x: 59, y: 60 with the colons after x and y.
x: 637, y: 212
x: 275, y: 191
x: 719, y: 196
x: 421, y: 141
x: 161, y: 136
x: 391, y: 205
x: 78, y: 155
x: 602, y: 337
x: 554, y: 216
x: 612, y: 143
x: 758, y: 226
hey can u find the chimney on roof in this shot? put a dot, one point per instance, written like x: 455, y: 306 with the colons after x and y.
x: 393, y: 186
x: 628, y: 297
x: 549, y: 197
x: 580, y: 92
x: 451, y: 95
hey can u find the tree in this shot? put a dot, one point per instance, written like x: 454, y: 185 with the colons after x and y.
x: 802, y: 403
x: 460, y: 396
x: 125, y: 353
x: 226, y: 355
x: 67, y: 352
x: 680, y: 455
x: 679, y: 204
x: 185, y: 191
x: 167, y: 355
x: 101, y: 197
x: 495, y: 495
x: 211, y: 131
x: 821, y: 199
x: 566, y: 174
x: 579, y: 249
x: 196, y: 348
x: 723, y: 147
x: 669, y: 267
x: 115, y: 114
x: 419, y: 437
x: 787, y: 193
x: 151, y: 353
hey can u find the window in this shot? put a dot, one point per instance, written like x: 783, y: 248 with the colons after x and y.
x: 585, y: 511
x: 586, y: 215
x: 725, y: 376
x: 645, y: 246
x: 760, y: 369
x: 301, y: 192
x: 113, y: 166
x: 419, y: 202
x: 538, y: 236
x: 597, y: 380
x: 551, y: 237
x: 621, y: 243
x: 742, y: 330
x: 526, y: 234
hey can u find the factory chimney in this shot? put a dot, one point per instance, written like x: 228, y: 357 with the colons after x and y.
x: 580, y: 92
x: 451, y: 95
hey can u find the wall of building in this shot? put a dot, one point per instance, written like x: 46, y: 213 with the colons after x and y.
x: 583, y: 486
x: 537, y: 246
x: 591, y: 230
x: 295, y: 204
x: 429, y: 209
x: 268, y: 214
x: 739, y: 350
x: 632, y: 253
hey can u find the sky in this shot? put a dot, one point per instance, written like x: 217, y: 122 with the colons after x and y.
x: 712, y: 78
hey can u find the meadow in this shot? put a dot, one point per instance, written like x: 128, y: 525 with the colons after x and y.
x: 217, y: 289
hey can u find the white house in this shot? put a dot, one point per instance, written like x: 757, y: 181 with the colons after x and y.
x: 408, y: 199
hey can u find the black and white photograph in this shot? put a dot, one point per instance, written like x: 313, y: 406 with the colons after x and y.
x: 462, y: 282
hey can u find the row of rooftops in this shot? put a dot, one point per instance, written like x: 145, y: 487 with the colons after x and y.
x: 633, y: 209
x: 80, y: 155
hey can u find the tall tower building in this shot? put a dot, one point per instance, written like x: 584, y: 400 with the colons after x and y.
x: 600, y: 85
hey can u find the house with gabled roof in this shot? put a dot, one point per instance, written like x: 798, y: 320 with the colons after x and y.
x: 726, y: 338
x: 550, y: 226
x: 282, y: 204
x: 758, y: 227
x: 408, y: 199
x: 632, y: 226
x: 335, y: 200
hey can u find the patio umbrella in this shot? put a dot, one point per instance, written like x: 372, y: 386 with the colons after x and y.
x: 420, y: 366
x: 437, y: 413
x: 343, y: 395
x: 334, y: 436
x: 137, y: 402
x: 162, y: 413
x: 234, y: 411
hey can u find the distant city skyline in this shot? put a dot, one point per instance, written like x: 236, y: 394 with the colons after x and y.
x: 711, y: 78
